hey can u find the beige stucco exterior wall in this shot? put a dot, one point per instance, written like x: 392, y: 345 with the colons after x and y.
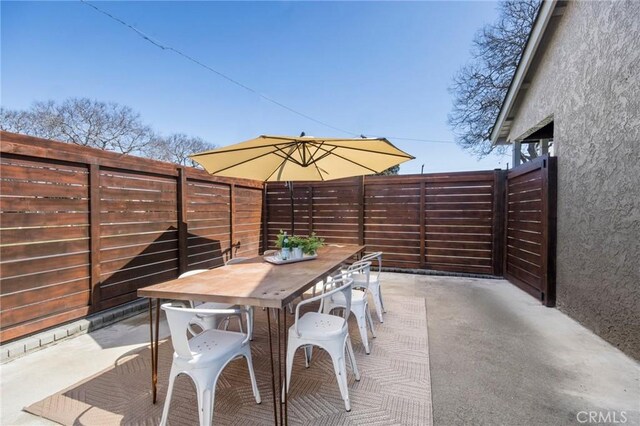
x: 589, y: 79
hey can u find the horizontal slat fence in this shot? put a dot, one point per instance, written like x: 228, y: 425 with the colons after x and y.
x: 447, y: 222
x: 82, y: 229
x: 530, y: 228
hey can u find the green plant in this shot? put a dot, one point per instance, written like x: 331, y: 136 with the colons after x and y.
x: 312, y: 244
x: 296, y: 241
x: 309, y: 245
x: 279, y: 239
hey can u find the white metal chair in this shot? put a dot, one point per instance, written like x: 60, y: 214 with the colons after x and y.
x: 374, y: 282
x: 329, y: 332
x: 206, y: 322
x: 359, y: 304
x: 204, y: 356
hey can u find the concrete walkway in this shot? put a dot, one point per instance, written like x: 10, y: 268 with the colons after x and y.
x: 497, y: 357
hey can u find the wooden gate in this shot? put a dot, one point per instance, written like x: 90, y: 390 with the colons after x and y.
x: 530, y: 223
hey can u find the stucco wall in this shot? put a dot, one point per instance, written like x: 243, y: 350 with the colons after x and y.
x: 589, y: 80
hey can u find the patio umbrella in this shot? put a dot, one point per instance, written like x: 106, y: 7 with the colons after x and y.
x: 303, y: 158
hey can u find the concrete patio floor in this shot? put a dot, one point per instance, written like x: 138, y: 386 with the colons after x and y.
x: 497, y: 357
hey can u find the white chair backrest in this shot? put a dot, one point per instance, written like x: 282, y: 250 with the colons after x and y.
x: 377, y: 256
x: 360, y: 272
x: 235, y: 260
x: 330, y: 288
x: 194, y: 272
x: 179, y: 319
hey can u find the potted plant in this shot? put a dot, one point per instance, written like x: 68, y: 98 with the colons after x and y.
x: 296, y: 244
x: 311, y: 245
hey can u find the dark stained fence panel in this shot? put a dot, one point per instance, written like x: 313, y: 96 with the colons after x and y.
x: 208, y: 223
x: 130, y: 199
x: 82, y: 229
x: 444, y: 222
x: 44, y: 242
x: 459, y: 224
x: 530, y: 228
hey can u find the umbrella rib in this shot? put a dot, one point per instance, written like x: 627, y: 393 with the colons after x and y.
x: 351, y: 161
x: 319, y: 171
x: 404, y: 155
x: 289, y: 157
x: 276, y: 169
x: 222, y: 150
x: 275, y: 151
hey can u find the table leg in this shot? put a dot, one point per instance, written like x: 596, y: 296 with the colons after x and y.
x: 286, y: 408
x: 280, y: 364
x: 273, y: 376
x: 154, y: 370
x: 157, y: 349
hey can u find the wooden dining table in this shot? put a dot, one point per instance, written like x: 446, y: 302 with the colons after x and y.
x: 254, y: 282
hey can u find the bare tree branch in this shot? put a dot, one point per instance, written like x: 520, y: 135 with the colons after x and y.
x: 481, y: 85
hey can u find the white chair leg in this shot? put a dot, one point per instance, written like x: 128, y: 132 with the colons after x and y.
x: 167, y: 400
x: 368, y: 312
x: 308, y: 353
x: 252, y: 374
x: 364, y: 334
x: 291, y: 352
x: 339, y: 366
x: 250, y: 308
x: 205, y: 381
x: 377, y: 301
x: 352, y: 358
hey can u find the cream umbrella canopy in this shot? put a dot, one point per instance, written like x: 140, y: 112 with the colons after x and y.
x: 302, y: 158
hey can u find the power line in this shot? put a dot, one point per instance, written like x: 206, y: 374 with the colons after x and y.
x: 226, y: 77
x: 163, y: 46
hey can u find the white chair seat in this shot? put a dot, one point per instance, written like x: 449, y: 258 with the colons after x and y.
x: 213, y: 344
x: 357, y: 298
x: 319, y: 326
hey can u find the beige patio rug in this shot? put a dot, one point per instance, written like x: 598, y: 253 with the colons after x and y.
x: 395, y: 386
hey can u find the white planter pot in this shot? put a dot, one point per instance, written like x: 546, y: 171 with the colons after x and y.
x: 285, y: 254
x: 297, y: 253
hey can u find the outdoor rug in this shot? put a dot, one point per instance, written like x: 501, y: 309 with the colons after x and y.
x: 395, y: 385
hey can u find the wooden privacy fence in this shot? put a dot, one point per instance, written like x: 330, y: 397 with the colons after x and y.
x: 82, y: 229
x: 447, y: 221
x: 530, y: 237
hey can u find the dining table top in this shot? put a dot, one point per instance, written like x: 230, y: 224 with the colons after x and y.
x: 255, y: 281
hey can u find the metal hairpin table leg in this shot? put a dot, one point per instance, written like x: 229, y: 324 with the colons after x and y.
x: 285, y: 397
x: 154, y: 346
x: 273, y: 375
x: 280, y: 365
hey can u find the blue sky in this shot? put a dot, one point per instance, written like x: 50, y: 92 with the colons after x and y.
x: 377, y: 68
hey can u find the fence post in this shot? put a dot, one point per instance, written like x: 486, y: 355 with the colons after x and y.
x: 232, y: 217
x: 549, y: 219
x: 423, y: 229
x: 94, y: 224
x: 360, y: 183
x: 265, y: 219
x: 498, y: 225
x: 183, y: 230
x: 310, y: 209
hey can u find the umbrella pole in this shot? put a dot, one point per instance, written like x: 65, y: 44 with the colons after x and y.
x: 293, y: 224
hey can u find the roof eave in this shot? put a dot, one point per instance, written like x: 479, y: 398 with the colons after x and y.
x: 537, y: 32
